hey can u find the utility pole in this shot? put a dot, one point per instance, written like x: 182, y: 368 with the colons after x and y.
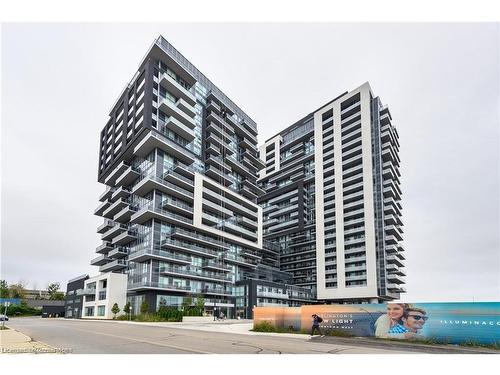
x: 7, y: 304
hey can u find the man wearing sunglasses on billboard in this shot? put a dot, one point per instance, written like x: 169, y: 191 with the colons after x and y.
x: 414, y: 319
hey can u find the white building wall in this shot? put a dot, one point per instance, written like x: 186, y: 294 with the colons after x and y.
x: 116, y: 292
x: 341, y: 291
x: 198, y: 211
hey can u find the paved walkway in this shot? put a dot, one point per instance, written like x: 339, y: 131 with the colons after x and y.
x: 12, y: 341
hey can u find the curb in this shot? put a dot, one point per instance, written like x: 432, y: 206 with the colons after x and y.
x: 31, y: 341
x: 417, y: 347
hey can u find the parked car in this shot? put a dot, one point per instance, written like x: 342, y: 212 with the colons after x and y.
x: 3, y: 317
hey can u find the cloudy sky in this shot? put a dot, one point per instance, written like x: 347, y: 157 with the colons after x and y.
x: 441, y: 82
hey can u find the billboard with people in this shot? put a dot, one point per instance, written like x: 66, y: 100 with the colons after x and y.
x: 450, y: 322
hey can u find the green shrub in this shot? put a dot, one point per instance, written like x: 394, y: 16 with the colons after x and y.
x: 169, y: 314
x: 193, y: 311
x: 144, y: 307
x: 475, y: 343
x: 264, y: 327
x: 22, y: 310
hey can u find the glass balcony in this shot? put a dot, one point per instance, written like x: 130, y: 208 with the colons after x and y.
x: 177, y: 179
x: 107, y: 194
x: 117, y: 171
x: 121, y: 192
x: 247, y: 193
x: 216, y: 291
x: 213, y: 106
x: 193, y: 273
x: 99, y: 211
x: 100, y: 260
x: 158, y: 254
x: 127, y: 177
x: 217, y: 266
x: 150, y: 182
x: 178, y: 206
x: 85, y: 292
x: 236, y: 206
x: 145, y: 285
x: 113, y: 232
x: 124, y: 215
x: 119, y: 252
x: 199, y: 238
x: 149, y: 212
x: 114, y: 208
x: 239, y: 260
x: 395, y: 260
x: 218, y: 162
x: 178, y: 111
x: 272, y: 295
x: 253, y: 187
x: 176, y: 89
x: 177, y: 127
x: 156, y: 140
x: 216, y: 209
x: 104, y: 248
x: 237, y: 165
x: 115, y: 265
x: 125, y: 237
x: 170, y: 243
x: 218, y: 176
x: 105, y: 226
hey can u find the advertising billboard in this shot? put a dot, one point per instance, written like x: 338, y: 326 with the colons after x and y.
x: 450, y: 322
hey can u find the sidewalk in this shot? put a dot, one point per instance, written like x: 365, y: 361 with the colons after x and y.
x: 12, y: 341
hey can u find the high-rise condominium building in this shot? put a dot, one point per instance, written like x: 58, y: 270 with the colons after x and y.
x: 180, y: 163
x: 332, y: 200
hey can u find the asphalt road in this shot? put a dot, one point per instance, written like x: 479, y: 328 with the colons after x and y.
x: 96, y: 337
x: 118, y: 338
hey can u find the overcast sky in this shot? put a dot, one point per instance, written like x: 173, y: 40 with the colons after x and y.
x: 441, y: 83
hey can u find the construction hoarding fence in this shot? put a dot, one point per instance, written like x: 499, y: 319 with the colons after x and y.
x: 447, y: 322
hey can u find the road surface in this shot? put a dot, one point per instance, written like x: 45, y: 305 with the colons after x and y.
x: 98, y: 337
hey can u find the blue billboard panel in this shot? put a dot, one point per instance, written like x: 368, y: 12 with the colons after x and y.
x: 450, y: 322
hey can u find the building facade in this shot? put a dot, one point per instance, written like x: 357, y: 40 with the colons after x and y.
x: 74, y: 299
x: 180, y: 164
x: 101, y: 292
x: 332, y: 200
x: 254, y: 293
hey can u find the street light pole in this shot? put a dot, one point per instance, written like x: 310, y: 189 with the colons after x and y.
x: 5, y: 314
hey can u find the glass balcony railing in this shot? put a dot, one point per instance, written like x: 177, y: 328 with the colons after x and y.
x: 198, y: 236
x: 193, y: 272
x: 187, y: 246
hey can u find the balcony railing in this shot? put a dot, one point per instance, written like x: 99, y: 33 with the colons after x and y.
x: 187, y: 247
x: 159, y: 254
x: 193, y: 272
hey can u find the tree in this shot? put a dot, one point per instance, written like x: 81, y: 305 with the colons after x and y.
x: 200, y: 304
x: 4, y: 289
x: 126, y: 308
x: 17, y: 290
x: 115, y: 310
x: 144, y: 307
x: 54, y: 294
x: 186, y: 303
